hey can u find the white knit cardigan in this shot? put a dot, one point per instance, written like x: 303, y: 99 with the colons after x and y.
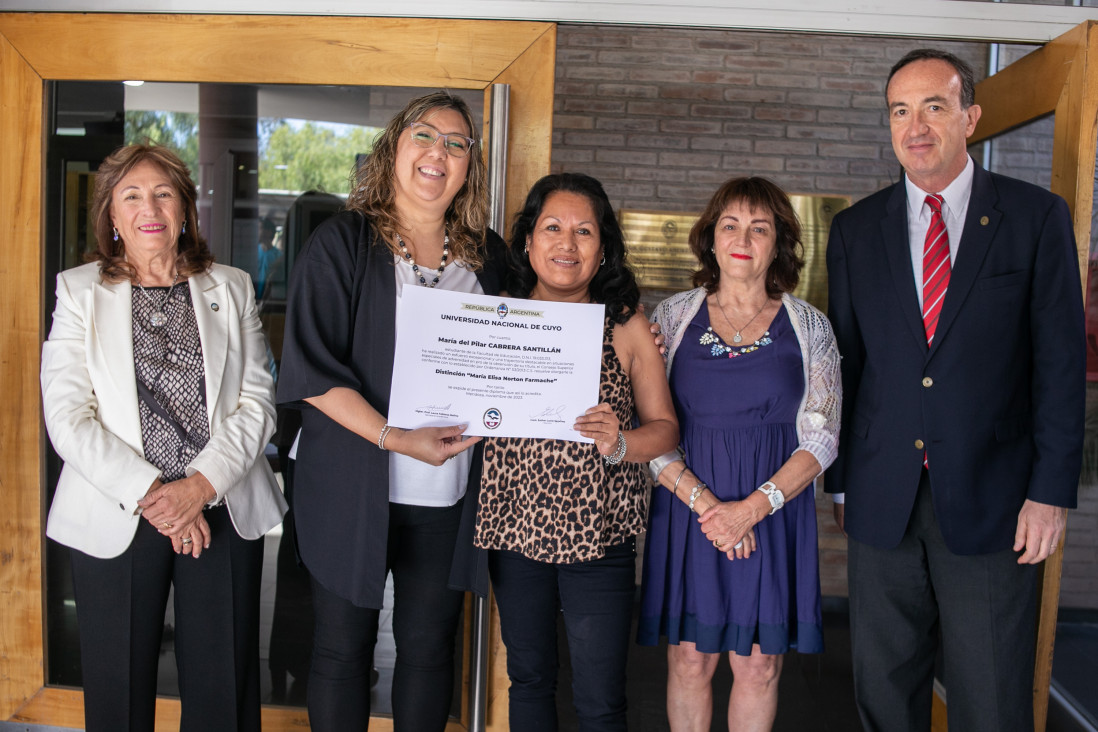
x: 820, y: 408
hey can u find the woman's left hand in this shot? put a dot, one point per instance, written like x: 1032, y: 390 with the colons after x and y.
x: 601, y: 425
x: 729, y: 522
x: 172, y: 507
x: 742, y: 549
x: 193, y: 538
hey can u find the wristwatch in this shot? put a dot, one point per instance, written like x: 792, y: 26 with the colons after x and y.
x: 777, y: 500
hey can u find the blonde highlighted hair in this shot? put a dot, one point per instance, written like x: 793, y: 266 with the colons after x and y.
x: 466, y: 218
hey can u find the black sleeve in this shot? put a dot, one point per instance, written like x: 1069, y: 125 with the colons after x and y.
x: 320, y: 311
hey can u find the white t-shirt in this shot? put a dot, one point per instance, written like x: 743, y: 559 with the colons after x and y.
x: 412, y: 481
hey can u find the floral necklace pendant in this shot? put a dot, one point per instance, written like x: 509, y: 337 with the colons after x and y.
x: 718, y: 349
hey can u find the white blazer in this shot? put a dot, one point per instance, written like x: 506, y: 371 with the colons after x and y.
x: 89, y: 393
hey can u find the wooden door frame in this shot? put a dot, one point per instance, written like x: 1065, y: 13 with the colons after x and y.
x: 1060, y: 78
x: 40, y: 47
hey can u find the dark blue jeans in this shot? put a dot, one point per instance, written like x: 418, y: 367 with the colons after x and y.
x: 596, y: 598
x: 425, y: 618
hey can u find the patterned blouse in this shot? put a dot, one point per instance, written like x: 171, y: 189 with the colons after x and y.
x: 556, y: 500
x: 171, y: 383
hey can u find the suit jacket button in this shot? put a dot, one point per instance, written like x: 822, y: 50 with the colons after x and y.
x: 123, y: 507
x: 928, y: 382
x: 919, y: 445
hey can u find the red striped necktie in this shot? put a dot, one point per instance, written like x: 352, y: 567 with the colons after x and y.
x: 935, y: 267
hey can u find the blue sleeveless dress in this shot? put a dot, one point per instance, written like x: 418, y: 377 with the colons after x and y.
x: 737, y: 417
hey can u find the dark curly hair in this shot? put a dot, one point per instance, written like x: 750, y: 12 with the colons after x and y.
x: 613, y: 284
x: 758, y: 193
x: 193, y: 255
x: 467, y: 215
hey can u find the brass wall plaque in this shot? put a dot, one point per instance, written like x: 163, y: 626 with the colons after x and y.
x: 658, y: 251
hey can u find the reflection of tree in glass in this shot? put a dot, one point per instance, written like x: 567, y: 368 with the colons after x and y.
x: 176, y: 130
x: 294, y: 155
x: 310, y: 156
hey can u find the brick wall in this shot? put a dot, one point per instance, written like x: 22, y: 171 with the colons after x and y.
x: 662, y: 117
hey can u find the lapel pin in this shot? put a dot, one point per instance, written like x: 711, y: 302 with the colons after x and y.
x: 984, y: 220
x: 214, y: 306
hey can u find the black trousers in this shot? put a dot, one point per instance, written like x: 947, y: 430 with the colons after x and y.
x: 425, y: 620
x: 981, y: 607
x: 596, y: 600
x: 120, y: 605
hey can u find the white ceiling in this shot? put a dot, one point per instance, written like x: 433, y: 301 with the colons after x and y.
x: 944, y: 19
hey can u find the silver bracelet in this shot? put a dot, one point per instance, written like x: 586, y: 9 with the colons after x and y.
x: 382, y: 436
x: 619, y: 453
x: 682, y: 472
x: 697, y: 491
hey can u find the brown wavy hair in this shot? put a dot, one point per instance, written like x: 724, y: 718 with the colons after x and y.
x: 466, y: 218
x: 759, y: 194
x: 193, y: 256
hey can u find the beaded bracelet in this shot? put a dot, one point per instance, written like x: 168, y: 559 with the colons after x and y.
x: 682, y: 472
x: 619, y: 453
x: 697, y: 491
x: 382, y: 436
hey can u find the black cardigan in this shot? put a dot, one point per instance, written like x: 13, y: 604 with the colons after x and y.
x: 340, y: 331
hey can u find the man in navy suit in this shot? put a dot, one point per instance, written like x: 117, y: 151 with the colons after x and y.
x: 960, y: 323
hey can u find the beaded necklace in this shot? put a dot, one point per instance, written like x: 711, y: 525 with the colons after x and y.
x: 718, y: 347
x: 415, y: 267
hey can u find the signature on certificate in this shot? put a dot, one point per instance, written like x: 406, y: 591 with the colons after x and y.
x: 436, y: 410
x: 549, y: 413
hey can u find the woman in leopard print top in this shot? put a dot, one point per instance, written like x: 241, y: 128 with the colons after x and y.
x: 560, y: 518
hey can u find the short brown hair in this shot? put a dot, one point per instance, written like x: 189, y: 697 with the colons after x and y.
x: 760, y: 194
x: 193, y: 256
x: 467, y: 215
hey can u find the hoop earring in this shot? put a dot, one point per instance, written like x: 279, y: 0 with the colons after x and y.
x: 526, y: 250
x: 603, y: 262
x: 115, y: 233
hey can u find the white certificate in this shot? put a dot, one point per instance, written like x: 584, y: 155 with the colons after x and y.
x: 504, y: 366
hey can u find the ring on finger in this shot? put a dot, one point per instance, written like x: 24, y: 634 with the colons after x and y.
x: 187, y: 540
x: 717, y: 544
x: 166, y: 525
x: 739, y: 544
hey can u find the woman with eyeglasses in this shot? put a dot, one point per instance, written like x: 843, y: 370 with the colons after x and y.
x: 370, y: 498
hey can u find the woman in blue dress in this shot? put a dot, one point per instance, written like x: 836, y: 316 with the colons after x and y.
x: 731, y: 562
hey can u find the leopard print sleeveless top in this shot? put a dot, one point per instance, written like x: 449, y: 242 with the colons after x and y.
x: 556, y: 500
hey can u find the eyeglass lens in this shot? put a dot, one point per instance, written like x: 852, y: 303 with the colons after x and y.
x: 423, y: 135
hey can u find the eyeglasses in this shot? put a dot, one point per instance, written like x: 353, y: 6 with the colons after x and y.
x: 424, y: 135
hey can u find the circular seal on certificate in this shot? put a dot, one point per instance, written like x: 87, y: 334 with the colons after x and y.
x: 501, y: 310
x: 492, y: 418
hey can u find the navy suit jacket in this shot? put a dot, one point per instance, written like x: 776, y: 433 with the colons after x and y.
x: 997, y: 402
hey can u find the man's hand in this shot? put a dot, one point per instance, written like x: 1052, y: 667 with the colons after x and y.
x: 1040, y: 527
x: 839, y: 509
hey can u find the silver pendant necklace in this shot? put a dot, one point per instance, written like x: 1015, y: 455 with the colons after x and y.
x: 159, y: 319
x: 738, y: 337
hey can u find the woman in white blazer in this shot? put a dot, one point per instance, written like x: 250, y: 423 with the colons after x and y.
x: 158, y: 398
